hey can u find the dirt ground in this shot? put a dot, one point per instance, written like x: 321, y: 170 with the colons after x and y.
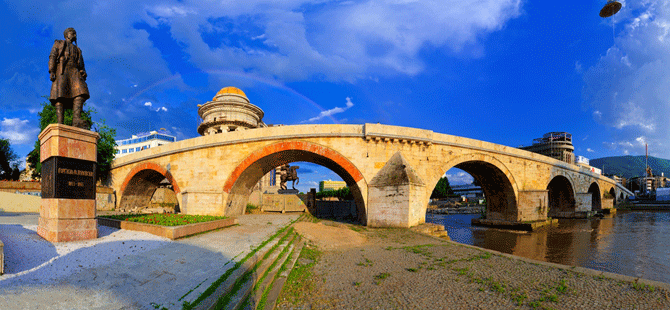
x: 328, y: 237
x: 355, y: 267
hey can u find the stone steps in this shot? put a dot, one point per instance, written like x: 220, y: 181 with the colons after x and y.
x: 224, y: 288
x: 264, y: 283
x: 280, y: 278
x: 260, y: 275
x: 431, y: 229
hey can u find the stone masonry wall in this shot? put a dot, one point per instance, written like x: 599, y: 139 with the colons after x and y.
x: 532, y: 205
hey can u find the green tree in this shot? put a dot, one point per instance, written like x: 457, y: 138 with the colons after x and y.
x: 8, y: 161
x: 442, y: 189
x: 106, y: 143
x: 341, y: 194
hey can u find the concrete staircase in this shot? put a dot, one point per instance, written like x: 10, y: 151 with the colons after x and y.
x: 257, y: 281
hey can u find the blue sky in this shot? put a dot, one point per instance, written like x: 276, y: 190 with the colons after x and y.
x: 504, y: 71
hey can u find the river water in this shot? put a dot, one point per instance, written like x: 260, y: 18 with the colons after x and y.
x: 632, y: 243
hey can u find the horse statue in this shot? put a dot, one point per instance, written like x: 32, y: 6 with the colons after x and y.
x: 289, y: 173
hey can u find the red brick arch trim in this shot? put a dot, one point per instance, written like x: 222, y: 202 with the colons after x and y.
x: 150, y: 166
x: 293, y: 146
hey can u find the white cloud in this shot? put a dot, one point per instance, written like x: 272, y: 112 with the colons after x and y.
x: 589, y: 150
x: 161, y: 109
x: 641, y: 140
x: 459, y: 178
x: 148, y: 104
x: 628, y: 86
x: 578, y: 66
x: 338, y: 42
x: 636, y: 146
x: 18, y: 131
x: 597, y: 115
x: 332, y: 111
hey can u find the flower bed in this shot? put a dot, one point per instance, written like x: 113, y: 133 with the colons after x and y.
x: 168, y: 223
x: 165, y: 219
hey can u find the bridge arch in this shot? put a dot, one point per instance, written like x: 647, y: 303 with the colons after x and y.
x: 141, y: 182
x: 594, y: 189
x: 613, y: 195
x: 241, y: 181
x: 561, y: 197
x: 495, y: 179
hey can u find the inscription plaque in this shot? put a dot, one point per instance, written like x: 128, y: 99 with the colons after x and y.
x: 69, y: 178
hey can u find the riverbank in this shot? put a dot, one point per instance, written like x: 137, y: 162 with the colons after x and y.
x: 398, y: 268
x: 458, y: 209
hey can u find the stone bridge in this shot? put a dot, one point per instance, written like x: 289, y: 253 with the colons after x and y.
x: 391, y: 170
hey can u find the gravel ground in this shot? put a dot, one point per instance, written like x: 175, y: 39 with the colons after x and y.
x: 121, y: 269
x: 400, y: 269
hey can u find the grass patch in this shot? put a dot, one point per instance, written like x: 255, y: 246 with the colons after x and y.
x: 299, y: 280
x: 165, y: 219
x: 381, y: 276
x: 519, y: 298
x: 562, y: 287
x: 367, y: 263
x: 250, y: 207
x: 419, y: 249
x: 640, y: 287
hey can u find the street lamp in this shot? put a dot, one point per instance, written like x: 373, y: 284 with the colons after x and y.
x: 611, y: 8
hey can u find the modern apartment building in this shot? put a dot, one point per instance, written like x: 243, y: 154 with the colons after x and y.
x: 143, y: 141
x: 331, y: 185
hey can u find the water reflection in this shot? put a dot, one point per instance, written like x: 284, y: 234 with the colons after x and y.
x: 630, y: 243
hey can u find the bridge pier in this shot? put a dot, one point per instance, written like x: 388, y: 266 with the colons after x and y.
x: 396, y: 195
x: 202, y: 202
x: 532, y: 205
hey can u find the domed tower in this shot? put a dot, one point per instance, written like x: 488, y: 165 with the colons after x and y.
x: 229, y: 110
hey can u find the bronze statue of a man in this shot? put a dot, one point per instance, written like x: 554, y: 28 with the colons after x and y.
x: 67, y: 72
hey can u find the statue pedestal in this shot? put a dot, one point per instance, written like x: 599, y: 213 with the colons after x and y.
x: 69, y: 159
x: 288, y: 192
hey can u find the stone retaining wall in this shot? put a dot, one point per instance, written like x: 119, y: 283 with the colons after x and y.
x: 13, y: 197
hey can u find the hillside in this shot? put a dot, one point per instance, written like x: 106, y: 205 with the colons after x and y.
x: 631, y: 166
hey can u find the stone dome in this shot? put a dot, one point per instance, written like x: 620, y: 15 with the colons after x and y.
x: 229, y: 110
x: 230, y: 90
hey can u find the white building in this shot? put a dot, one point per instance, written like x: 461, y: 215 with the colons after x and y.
x: 582, y: 160
x: 142, y: 141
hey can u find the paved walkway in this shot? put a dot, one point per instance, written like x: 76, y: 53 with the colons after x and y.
x: 121, y: 269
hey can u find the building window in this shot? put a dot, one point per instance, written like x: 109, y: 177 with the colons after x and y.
x: 137, y: 149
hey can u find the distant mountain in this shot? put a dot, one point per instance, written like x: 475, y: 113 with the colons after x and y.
x: 631, y: 166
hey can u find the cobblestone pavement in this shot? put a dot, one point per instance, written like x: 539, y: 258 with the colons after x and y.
x: 401, y: 269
